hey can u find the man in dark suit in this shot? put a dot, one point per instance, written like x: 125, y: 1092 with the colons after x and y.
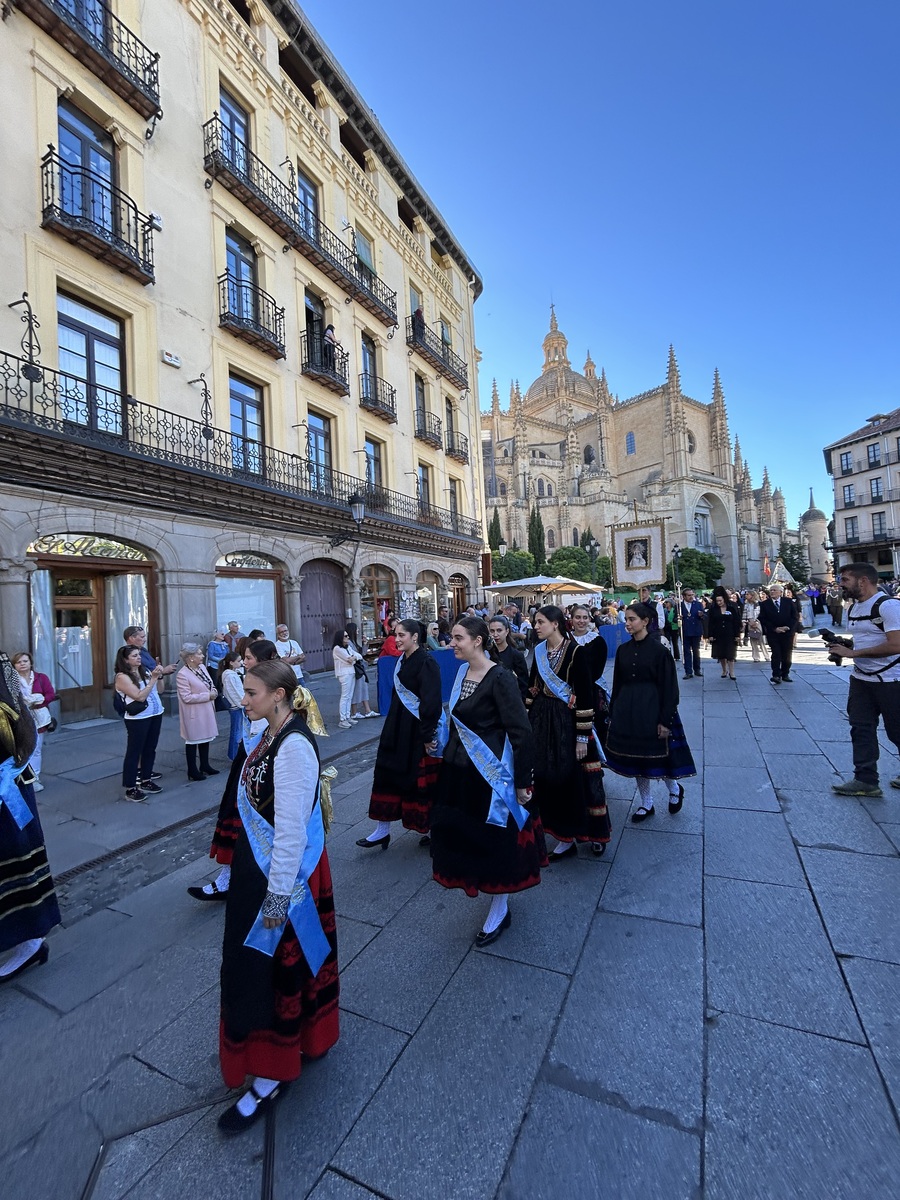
x: 691, y: 616
x: 780, y: 619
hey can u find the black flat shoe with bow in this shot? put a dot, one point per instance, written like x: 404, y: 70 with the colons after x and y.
x: 485, y: 939
x: 675, y: 805
x: 216, y: 894
x: 39, y: 957
x: 383, y: 842
x: 233, y: 1121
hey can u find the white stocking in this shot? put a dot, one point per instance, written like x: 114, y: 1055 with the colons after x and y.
x: 496, y: 913
x: 643, y: 784
x: 222, y: 881
x: 263, y: 1087
x: 382, y: 829
x: 674, y: 787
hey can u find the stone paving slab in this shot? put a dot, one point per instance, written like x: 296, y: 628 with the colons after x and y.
x: 656, y: 875
x: 784, y: 971
x: 876, y: 987
x: 801, y: 772
x: 575, y: 1146
x: 824, y: 821
x: 633, y: 1030
x: 795, y: 1115
x: 129, y: 1159
x: 338, y: 1187
x: 739, y: 787
x: 857, y: 895
x: 751, y: 845
x: 459, y: 1135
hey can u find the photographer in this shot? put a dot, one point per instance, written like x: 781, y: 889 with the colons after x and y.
x: 874, y: 621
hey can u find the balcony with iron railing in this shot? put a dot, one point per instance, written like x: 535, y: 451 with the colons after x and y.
x: 428, y: 429
x: 884, y: 534
x: 86, y: 209
x: 457, y: 446
x: 91, y: 31
x: 251, y: 314
x: 325, y: 362
x: 378, y: 397
x: 436, y: 352
x: 66, y: 410
x: 237, y: 168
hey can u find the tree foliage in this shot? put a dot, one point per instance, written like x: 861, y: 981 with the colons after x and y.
x: 536, y: 544
x: 495, y: 533
x: 696, y: 570
x: 516, y: 564
x: 571, y: 561
x: 794, y: 558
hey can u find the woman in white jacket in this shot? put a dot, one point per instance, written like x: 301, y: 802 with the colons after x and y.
x: 345, y: 672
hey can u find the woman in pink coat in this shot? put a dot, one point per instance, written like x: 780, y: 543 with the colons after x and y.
x: 196, y: 710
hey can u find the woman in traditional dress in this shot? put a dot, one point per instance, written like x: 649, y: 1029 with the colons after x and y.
x: 646, y: 739
x: 279, y: 953
x: 405, y: 773
x: 28, y: 906
x: 228, y: 822
x: 508, y: 656
x: 725, y: 627
x: 585, y: 633
x: 568, y: 772
x: 483, y: 838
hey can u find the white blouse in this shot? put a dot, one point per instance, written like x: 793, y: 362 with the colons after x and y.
x: 296, y: 779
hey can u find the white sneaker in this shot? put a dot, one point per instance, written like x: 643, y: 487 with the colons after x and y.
x: 37, y: 785
x: 345, y: 724
x: 373, y: 713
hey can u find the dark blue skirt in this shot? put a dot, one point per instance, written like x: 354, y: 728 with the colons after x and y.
x: 28, y: 907
x: 677, y: 764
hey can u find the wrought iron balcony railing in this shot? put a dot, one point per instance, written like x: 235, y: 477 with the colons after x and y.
x: 92, y: 32
x: 436, y: 352
x: 457, y: 446
x: 72, y: 410
x: 86, y: 209
x: 377, y: 395
x: 251, y: 314
x: 428, y: 429
x: 234, y: 164
x: 884, y: 535
x: 325, y: 362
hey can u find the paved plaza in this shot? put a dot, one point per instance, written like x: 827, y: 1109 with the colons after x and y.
x: 709, y: 1010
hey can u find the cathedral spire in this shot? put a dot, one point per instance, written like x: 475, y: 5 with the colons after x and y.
x: 553, y: 325
x: 555, y: 346
x: 590, y: 367
x: 738, y: 461
x: 673, y: 378
x: 721, y: 439
x: 495, y: 398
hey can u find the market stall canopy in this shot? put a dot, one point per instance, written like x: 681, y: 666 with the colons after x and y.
x: 545, y: 585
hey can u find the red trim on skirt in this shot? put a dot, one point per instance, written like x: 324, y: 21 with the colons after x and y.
x: 530, y: 842
x: 412, y: 808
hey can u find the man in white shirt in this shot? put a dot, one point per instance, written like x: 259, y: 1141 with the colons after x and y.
x: 874, y: 622
x: 289, y: 650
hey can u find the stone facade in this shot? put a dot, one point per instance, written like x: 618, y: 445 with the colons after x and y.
x: 590, y: 460
x: 864, y: 465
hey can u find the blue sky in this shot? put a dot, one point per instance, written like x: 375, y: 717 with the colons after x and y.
x: 717, y: 175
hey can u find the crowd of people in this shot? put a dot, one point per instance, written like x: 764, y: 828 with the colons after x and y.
x: 518, y: 754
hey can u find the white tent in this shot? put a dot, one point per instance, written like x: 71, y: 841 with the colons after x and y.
x: 546, y: 585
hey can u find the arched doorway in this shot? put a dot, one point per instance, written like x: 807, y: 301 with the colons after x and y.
x: 249, y: 590
x: 377, y: 594
x: 322, y: 611
x: 459, y: 587
x: 429, y: 593
x: 85, y: 591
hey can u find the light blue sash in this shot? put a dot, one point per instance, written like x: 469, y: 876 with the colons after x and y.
x: 410, y: 702
x: 302, y: 912
x: 250, y: 740
x: 498, y: 772
x: 10, y: 794
x: 560, y: 689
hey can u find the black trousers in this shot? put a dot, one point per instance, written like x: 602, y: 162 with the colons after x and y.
x: 140, y: 753
x: 866, y: 702
x: 782, y: 647
x: 692, y: 654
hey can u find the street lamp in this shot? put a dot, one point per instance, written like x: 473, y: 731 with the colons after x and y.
x: 358, y: 513
x: 502, y: 548
x: 676, y: 557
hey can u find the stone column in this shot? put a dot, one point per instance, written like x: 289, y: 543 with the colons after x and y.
x: 292, y: 604
x: 15, y: 604
x: 354, y: 602
x: 187, y: 609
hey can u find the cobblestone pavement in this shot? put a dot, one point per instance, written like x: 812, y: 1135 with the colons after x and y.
x: 709, y: 1010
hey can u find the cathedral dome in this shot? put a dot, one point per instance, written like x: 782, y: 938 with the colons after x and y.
x: 557, y: 376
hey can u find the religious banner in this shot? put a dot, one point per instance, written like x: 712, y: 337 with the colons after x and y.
x: 639, y: 554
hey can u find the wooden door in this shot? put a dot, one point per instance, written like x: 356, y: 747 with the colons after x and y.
x: 322, y: 612
x: 79, y: 634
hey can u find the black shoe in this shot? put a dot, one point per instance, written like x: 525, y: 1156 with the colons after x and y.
x: 598, y: 848
x: 572, y: 852
x: 485, y: 939
x: 39, y: 957
x: 425, y: 839
x: 155, y: 775
x: 383, y: 842
x: 687, y: 677
x: 210, y: 771
x: 232, y: 1121
x: 675, y: 806
x: 217, y: 894
x: 642, y: 814
x: 699, y: 674
x: 786, y: 679
x: 776, y: 681
x: 196, y: 776
x: 147, y: 785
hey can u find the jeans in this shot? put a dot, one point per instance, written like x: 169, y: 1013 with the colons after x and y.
x: 866, y: 702
x: 782, y: 647
x: 348, y: 682
x: 140, y: 753
x: 234, y: 736
x: 692, y: 654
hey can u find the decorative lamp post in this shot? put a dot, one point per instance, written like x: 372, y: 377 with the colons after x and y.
x: 676, y: 557
x: 358, y: 513
x: 502, y: 548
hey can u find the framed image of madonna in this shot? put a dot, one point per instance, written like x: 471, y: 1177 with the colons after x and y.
x: 639, y: 554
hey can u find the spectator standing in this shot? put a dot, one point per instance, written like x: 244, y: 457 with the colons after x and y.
x: 671, y: 629
x: 753, y: 628
x: 231, y: 686
x: 289, y: 651
x: 138, y: 688
x: 233, y: 635
x: 725, y: 625
x: 691, y: 632
x: 196, y: 711
x: 216, y: 650
x: 779, y: 619
x: 389, y: 647
x: 360, y: 699
x: 432, y: 640
x: 37, y: 691
x: 345, y: 673
x: 136, y: 635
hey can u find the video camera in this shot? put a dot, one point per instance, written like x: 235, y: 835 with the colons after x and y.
x: 832, y: 639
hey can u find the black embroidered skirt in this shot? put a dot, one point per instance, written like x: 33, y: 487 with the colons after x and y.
x: 568, y: 792
x: 412, y: 806
x: 228, y: 822
x: 28, y: 906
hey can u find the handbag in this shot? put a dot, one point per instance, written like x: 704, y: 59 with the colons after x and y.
x: 359, y: 669
x: 135, y: 707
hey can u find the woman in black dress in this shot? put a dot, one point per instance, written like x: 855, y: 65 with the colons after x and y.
x: 476, y: 842
x: 508, y: 656
x: 568, y: 772
x: 726, y: 624
x: 646, y: 738
x: 405, y: 773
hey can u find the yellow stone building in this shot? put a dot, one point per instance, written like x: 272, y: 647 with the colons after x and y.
x: 195, y: 195
x: 587, y: 458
